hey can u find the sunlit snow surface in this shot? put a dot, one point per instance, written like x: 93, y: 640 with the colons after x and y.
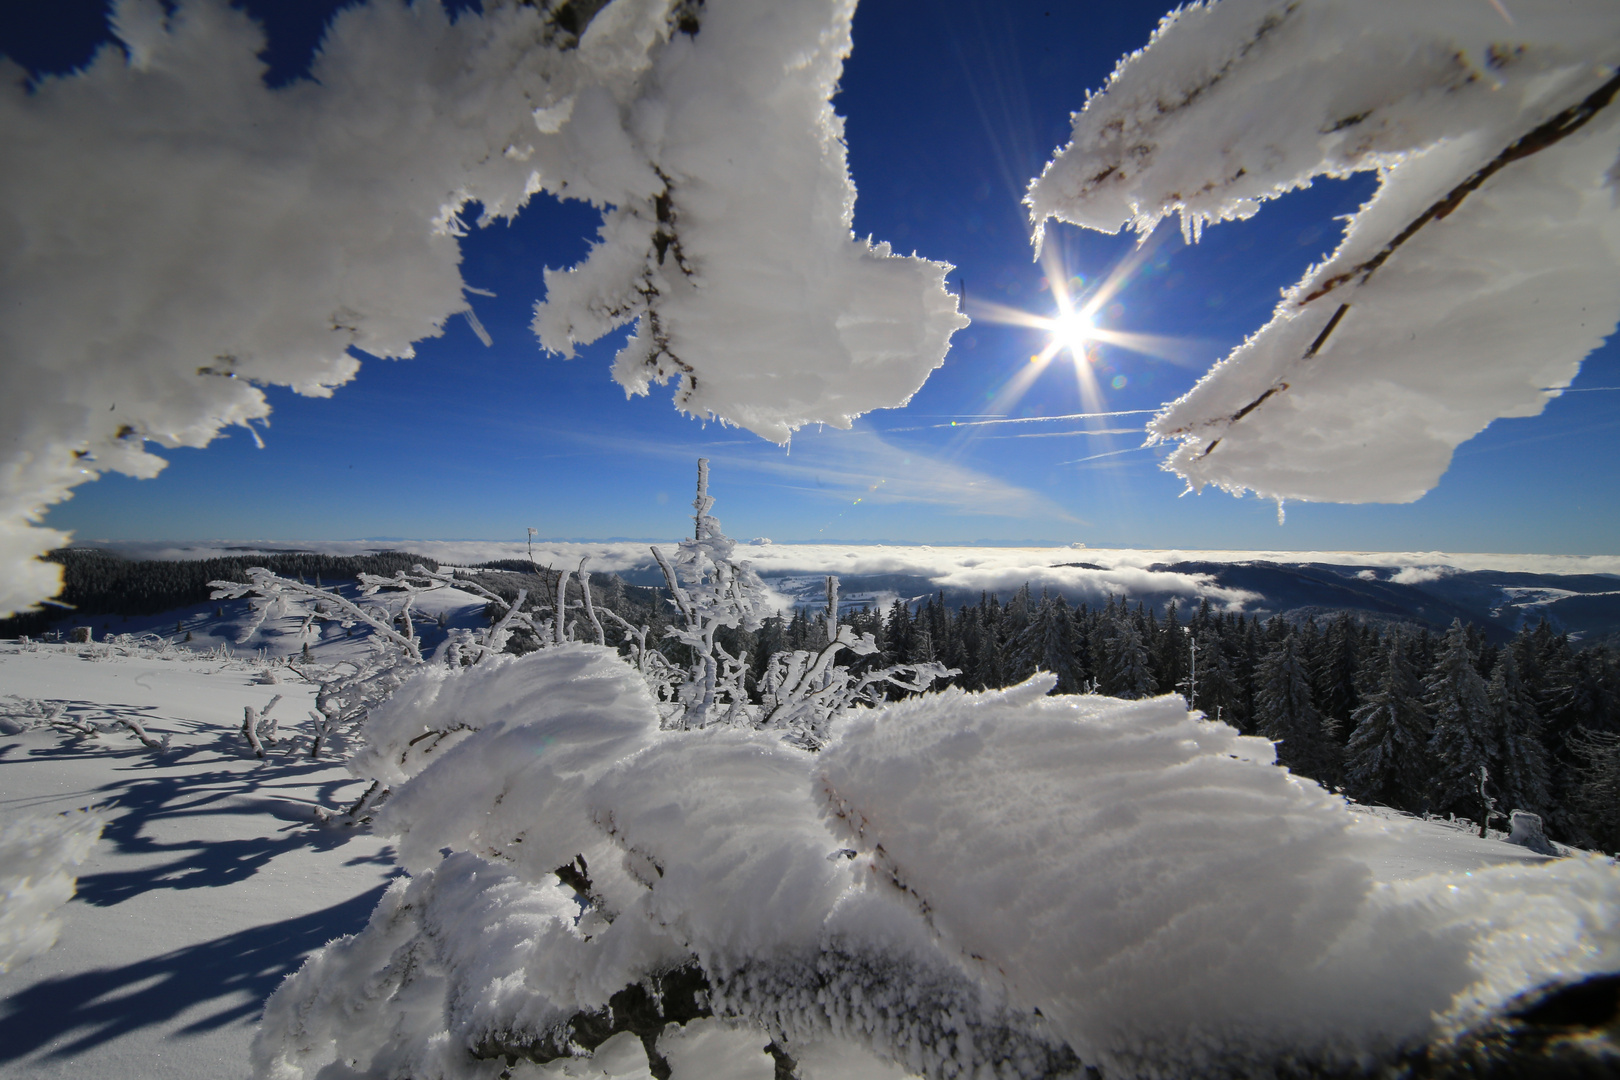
x: 1167, y: 899
x: 207, y: 886
x: 1469, y: 288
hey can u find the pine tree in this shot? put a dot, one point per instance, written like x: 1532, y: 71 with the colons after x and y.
x: 1336, y: 669
x: 1522, y: 772
x: 1595, y: 795
x: 1387, y: 758
x: 1285, y: 713
x: 1459, y: 708
x: 1047, y: 643
x: 1217, y: 683
x: 1129, y: 666
x: 991, y: 671
x: 1170, y: 651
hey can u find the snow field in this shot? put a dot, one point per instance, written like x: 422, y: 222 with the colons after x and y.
x: 208, y: 884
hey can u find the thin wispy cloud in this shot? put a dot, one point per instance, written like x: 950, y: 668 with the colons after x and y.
x: 862, y: 466
x: 968, y: 423
x: 1106, y: 454
x: 1067, y: 434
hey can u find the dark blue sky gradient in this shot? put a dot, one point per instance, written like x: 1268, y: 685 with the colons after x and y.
x: 951, y: 108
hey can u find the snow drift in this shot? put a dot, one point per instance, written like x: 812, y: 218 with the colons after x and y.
x: 1469, y: 288
x: 179, y: 235
x: 1003, y: 883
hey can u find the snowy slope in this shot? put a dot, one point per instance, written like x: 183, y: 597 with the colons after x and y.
x: 208, y: 884
x: 225, y: 625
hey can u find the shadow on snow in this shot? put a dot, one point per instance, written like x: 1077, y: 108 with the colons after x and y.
x: 238, y: 971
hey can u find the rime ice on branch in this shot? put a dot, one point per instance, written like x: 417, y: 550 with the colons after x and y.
x: 1472, y: 284
x: 164, y: 240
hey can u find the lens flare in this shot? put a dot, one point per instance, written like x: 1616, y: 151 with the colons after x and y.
x: 1072, y: 331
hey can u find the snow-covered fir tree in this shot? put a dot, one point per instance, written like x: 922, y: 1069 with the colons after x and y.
x: 1285, y: 713
x: 1129, y: 664
x: 1594, y: 794
x: 1387, y: 757
x: 1047, y: 643
x: 1459, y: 708
x: 1522, y: 773
x: 1335, y: 671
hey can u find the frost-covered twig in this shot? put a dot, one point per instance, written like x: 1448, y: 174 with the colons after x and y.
x: 710, y: 591
x: 274, y: 596
x: 257, y: 727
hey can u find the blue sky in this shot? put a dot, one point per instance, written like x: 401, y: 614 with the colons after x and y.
x: 951, y: 108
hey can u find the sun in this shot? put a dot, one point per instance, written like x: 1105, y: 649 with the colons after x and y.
x: 1072, y: 330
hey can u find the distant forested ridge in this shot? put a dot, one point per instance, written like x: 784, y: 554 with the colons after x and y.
x: 101, y: 583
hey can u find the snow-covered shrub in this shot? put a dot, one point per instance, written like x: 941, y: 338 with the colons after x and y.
x: 38, y: 857
x: 348, y: 690
x: 998, y: 884
x: 711, y: 591
x: 803, y: 691
x: 1470, y: 287
x: 18, y: 714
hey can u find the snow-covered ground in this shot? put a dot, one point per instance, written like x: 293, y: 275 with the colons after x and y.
x: 221, y: 625
x: 209, y: 883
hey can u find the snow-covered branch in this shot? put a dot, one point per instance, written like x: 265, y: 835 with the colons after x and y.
x: 172, y: 262
x: 806, y: 692
x: 1182, y: 906
x: 1469, y: 288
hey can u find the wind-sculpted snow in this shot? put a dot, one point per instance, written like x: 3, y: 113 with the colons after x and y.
x: 1476, y: 279
x: 39, y: 854
x: 1004, y: 883
x: 179, y: 235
